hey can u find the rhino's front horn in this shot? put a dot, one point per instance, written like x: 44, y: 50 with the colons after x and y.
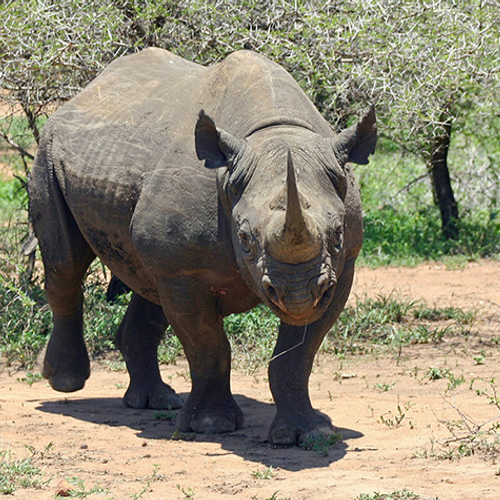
x: 295, y: 223
x: 297, y: 240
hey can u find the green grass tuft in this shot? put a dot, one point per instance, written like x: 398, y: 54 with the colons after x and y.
x: 393, y: 322
x: 15, y: 474
x: 321, y: 444
x: 253, y: 336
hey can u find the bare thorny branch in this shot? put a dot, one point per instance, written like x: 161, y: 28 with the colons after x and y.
x: 474, y: 430
x: 16, y: 146
x: 422, y: 63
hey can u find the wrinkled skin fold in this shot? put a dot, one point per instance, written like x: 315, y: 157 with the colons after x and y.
x: 207, y: 190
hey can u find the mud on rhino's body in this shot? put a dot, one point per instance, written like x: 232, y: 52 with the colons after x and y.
x: 202, y: 214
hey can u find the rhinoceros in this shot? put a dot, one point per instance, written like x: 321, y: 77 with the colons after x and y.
x: 206, y: 190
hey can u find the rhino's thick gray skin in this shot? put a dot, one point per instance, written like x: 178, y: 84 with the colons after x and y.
x: 207, y: 191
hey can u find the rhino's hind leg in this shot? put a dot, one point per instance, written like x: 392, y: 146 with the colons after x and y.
x: 66, y: 257
x: 66, y: 362
x: 197, y: 322
x: 138, y: 337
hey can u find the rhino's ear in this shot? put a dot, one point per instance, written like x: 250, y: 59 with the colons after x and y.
x: 357, y: 143
x: 217, y: 147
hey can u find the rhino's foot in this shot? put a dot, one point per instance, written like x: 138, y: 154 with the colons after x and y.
x: 64, y: 376
x: 210, y: 419
x: 298, y: 430
x: 159, y: 397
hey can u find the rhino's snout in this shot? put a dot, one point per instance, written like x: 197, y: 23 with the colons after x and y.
x: 299, y: 300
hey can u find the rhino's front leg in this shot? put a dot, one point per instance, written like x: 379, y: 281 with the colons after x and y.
x: 193, y: 313
x: 289, y: 370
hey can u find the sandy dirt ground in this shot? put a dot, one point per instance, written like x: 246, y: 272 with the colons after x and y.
x: 403, y: 437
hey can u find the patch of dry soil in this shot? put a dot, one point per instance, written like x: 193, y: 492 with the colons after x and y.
x: 94, y: 438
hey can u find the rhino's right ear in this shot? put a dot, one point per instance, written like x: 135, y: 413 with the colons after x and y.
x: 357, y: 143
x: 217, y: 147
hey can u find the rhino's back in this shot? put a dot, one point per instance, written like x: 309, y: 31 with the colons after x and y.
x: 123, y: 125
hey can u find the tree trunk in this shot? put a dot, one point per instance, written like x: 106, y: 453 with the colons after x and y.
x: 441, y: 184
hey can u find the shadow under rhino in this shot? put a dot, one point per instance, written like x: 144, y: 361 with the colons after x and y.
x: 250, y: 442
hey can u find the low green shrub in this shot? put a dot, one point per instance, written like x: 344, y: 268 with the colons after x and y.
x: 393, y: 236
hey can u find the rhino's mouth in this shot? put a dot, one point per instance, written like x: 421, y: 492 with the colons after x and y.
x: 300, y: 312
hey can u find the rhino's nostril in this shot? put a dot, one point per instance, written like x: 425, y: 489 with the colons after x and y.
x: 319, y: 286
x: 271, y: 292
x: 327, y: 295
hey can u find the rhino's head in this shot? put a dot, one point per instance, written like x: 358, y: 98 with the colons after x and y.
x: 284, y: 189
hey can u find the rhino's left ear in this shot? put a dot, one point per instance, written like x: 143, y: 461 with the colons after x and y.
x: 357, y: 143
x: 217, y: 147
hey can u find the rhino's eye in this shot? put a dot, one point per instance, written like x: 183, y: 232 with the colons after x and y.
x: 337, y: 238
x: 244, y: 240
x: 247, y: 243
